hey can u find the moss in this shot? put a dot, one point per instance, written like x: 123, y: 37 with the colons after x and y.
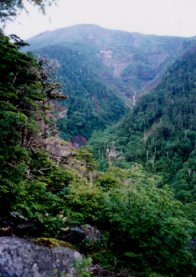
x: 51, y: 242
x: 65, y: 142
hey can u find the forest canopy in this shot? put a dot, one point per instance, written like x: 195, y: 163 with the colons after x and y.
x: 144, y: 229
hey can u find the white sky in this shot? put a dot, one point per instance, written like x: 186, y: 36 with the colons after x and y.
x: 162, y: 17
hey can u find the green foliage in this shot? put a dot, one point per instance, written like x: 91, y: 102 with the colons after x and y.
x: 85, y: 155
x: 146, y: 220
x: 146, y: 228
x: 153, y: 274
x: 85, y: 203
x: 82, y: 267
x: 160, y: 132
x: 105, y: 258
x: 92, y: 104
x: 17, y: 121
x: 126, y: 62
x: 30, y: 182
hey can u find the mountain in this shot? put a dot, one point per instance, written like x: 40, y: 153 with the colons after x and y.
x: 160, y: 132
x: 91, y: 103
x: 104, y: 70
x: 129, y: 61
x: 124, y: 221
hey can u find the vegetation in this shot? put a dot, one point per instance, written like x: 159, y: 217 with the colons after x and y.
x: 92, y: 105
x: 126, y: 61
x: 103, y: 72
x: 10, y: 8
x: 144, y: 229
x: 24, y: 95
x: 160, y: 132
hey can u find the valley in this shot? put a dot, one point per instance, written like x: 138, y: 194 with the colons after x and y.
x: 104, y: 72
x: 97, y: 154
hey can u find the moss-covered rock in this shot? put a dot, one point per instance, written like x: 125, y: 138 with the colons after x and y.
x: 51, y: 242
x: 21, y: 257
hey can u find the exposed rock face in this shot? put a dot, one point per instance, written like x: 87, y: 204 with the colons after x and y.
x: 57, y: 148
x: 78, y: 141
x: 23, y: 258
x: 103, y: 72
x: 132, y: 61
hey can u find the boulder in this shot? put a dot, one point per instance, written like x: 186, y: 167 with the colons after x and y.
x: 24, y: 258
x: 16, y: 223
x: 82, y: 234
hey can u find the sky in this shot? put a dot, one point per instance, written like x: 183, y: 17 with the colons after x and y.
x: 161, y: 17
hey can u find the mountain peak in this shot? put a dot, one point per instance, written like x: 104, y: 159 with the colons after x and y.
x: 136, y: 59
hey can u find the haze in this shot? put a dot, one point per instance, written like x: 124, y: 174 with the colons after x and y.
x: 161, y: 17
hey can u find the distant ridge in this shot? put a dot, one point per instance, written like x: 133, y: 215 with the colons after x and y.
x: 83, y: 30
x: 94, y: 61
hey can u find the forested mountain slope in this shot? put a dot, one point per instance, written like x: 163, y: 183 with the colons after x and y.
x: 128, y: 61
x: 160, y: 132
x: 121, y: 219
x: 104, y: 70
x: 92, y: 104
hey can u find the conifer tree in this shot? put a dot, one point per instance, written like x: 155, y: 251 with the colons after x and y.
x: 9, y: 9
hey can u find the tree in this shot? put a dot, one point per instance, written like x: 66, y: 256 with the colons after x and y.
x: 24, y: 96
x: 146, y: 222
x: 9, y: 9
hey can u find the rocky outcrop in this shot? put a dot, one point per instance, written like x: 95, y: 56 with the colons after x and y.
x: 57, y: 148
x: 24, y: 258
x: 78, y: 141
x: 82, y: 234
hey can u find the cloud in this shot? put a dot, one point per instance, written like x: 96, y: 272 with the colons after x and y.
x: 163, y: 17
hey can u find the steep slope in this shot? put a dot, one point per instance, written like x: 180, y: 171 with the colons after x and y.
x: 121, y: 220
x: 128, y: 61
x: 92, y: 105
x: 101, y: 69
x: 161, y: 130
